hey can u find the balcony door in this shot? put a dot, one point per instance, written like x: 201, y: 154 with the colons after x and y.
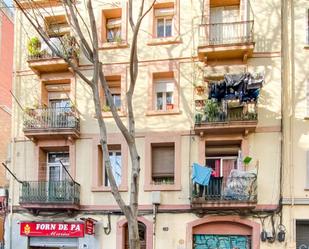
x: 224, y: 28
x: 58, y: 179
x: 58, y: 112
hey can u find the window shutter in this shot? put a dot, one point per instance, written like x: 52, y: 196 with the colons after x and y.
x: 113, y: 23
x: 302, y: 233
x: 163, y: 160
x: 164, y: 12
x: 164, y: 86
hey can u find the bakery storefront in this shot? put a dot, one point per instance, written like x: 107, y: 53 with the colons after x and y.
x: 53, y: 235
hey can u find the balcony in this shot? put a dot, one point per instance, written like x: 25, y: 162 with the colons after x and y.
x: 41, y: 58
x: 51, y: 123
x: 39, y: 3
x: 231, y: 120
x: 221, y: 41
x: 229, y: 105
x: 233, y: 192
x: 50, y: 195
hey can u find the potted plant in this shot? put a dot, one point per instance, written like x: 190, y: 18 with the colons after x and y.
x: 211, y: 110
x: 34, y: 47
x: 106, y: 108
x: 169, y: 106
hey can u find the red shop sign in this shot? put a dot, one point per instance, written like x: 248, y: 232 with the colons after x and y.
x: 52, y: 229
x: 89, y: 224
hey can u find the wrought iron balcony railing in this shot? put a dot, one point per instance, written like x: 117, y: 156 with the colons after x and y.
x: 233, y: 189
x: 51, y: 118
x: 226, y: 117
x: 226, y: 33
x: 50, y: 192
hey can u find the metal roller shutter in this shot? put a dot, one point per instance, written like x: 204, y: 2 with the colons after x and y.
x: 54, y: 242
x: 302, y: 234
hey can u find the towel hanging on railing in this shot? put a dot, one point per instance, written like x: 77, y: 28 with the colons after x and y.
x: 200, y: 174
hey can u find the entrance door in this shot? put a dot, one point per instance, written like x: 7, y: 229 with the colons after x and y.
x: 58, y: 178
x: 205, y: 241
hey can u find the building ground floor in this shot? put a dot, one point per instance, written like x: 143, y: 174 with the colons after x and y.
x: 296, y: 222
x: 166, y: 230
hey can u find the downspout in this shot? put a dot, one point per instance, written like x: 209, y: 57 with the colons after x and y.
x: 286, y: 101
x: 154, y: 224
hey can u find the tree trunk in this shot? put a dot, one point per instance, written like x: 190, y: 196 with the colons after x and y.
x: 134, y: 241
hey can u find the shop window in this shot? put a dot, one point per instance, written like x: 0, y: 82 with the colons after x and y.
x: 302, y: 234
x: 115, y: 156
x: 142, y: 235
x: 163, y: 163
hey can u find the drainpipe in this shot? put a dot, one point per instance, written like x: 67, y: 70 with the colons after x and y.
x: 154, y: 218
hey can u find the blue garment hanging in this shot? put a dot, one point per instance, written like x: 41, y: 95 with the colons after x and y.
x: 200, y: 174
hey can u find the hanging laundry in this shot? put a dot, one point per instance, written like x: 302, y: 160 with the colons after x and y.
x: 201, y: 175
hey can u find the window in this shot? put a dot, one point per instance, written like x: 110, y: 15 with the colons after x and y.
x: 142, y: 235
x: 163, y: 163
x: 223, y: 27
x: 164, y: 91
x: 119, y: 159
x: 302, y: 234
x: 115, y: 158
x: 164, y: 22
x: 56, y: 161
x: 57, y: 26
x: 113, y: 30
x: 223, y: 158
x: 114, y: 83
x: 113, y: 26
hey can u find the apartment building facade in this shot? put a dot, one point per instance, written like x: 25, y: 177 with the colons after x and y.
x: 295, y: 177
x: 6, y: 78
x: 208, y: 93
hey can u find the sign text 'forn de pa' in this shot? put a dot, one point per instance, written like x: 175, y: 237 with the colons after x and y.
x: 52, y: 229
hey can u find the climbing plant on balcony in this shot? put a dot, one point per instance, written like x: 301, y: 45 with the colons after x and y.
x: 34, y: 47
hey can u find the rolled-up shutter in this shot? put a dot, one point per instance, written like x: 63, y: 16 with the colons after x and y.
x: 163, y: 160
x: 53, y: 242
x: 302, y: 234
